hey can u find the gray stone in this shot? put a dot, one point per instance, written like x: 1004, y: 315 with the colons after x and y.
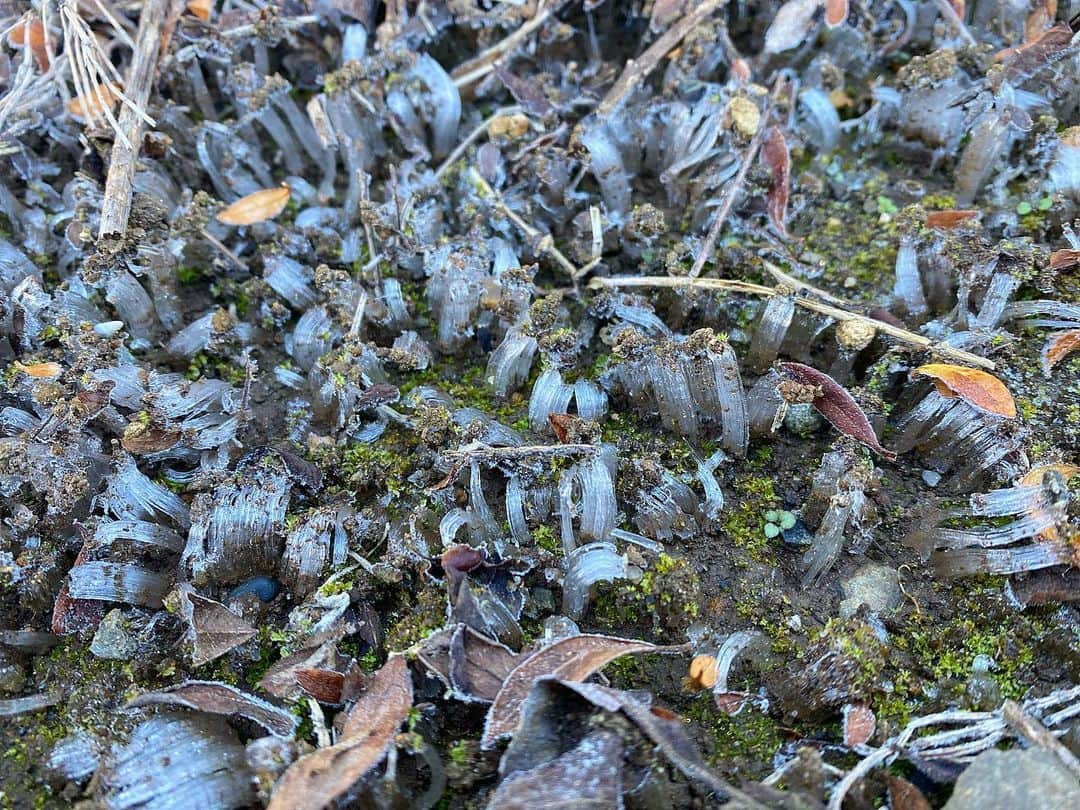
x: 113, y: 639
x: 873, y: 585
x: 1030, y: 779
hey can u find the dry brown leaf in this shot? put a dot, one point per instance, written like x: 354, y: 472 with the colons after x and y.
x: 93, y: 105
x: 1061, y: 259
x: 140, y: 438
x: 905, y: 796
x: 220, y: 698
x: 1034, y: 476
x: 478, y: 665
x: 859, y: 724
x: 36, y: 31
x: 324, y: 685
x: 316, y: 780
x: 1057, y: 347
x: 836, y: 12
x: 1024, y: 60
x: 258, y: 206
x: 947, y: 220
x: 838, y: 406
x: 213, y: 629
x: 201, y: 9
x: 979, y: 388
x: 775, y: 156
x: 570, y: 659
x: 792, y: 24
x: 560, y: 423
x: 40, y: 370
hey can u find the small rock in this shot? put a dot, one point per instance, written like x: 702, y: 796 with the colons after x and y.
x: 931, y: 478
x: 802, y: 419
x: 113, y: 639
x: 798, y: 535
x: 876, y: 586
x: 1030, y: 779
x: 744, y: 115
x: 12, y: 675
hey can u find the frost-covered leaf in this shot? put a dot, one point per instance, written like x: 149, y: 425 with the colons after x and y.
x: 479, y: 665
x: 1061, y: 259
x: 258, y: 206
x: 859, y: 724
x: 1024, y: 60
x: 838, y: 406
x: 94, y: 103
x: 316, y: 780
x: 775, y: 156
x: 791, y: 25
x: 213, y: 629
x: 1057, y: 347
x: 219, y: 698
x: 979, y: 388
x: 527, y: 93
x: 571, y: 659
x: 588, y: 776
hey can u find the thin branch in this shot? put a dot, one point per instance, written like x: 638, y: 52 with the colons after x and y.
x: 472, y: 137
x: 945, y: 8
x: 834, y: 312
x: 542, y: 242
x: 1037, y: 734
x: 479, y: 450
x: 483, y: 63
x: 734, y: 185
x: 116, y: 204
x: 637, y: 70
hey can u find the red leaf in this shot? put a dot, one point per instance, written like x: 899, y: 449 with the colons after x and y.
x: 774, y: 154
x: 859, y: 724
x: 838, y: 406
x: 953, y: 218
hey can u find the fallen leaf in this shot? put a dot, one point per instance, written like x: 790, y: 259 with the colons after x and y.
x: 40, y: 370
x: 528, y: 94
x: 1023, y: 61
x: 775, y: 156
x: 859, y: 724
x: 905, y: 796
x: 201, y: 9
x: 570, y: 659
x: 587, y: 776
x: 1034, y: 476
x: 836, y: 12
x: 258, y: 206
x: 560, y: 424
x: 35, y: 31
x: 213, y: 629
x: 792, y: 24
x: 1039, y: 20
x: 838, y: 406
x: 316, y: 780
x: 220, y: 698
x: 981, y: 389
x: 478, y: 665
x: 947, y: 220
x: 140, y: 438
x: 1057, y: 347
x: 1061, y: 259
x: 93, y: 104
x: 324, y: 685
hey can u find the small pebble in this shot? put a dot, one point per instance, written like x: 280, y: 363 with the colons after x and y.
x: 931, y: 478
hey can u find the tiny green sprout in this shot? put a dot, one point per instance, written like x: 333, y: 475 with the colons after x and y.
x: 1046, y: 203
x: 886, y: 206
x: 776, y: 521
x: 1023, y: 208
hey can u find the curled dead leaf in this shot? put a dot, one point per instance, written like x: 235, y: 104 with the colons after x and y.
x: 258, y: 206
x: 571, y: 659
x: 316, y: 780
x: 34, y: 32
x: 213, y: 629
x: 953, y: 218
x: 220, y: 698
x: 838, y: 406
x: 979, y: 388
x: 1034, y: 476
x: 1057, y: 347
x: 775, y: 156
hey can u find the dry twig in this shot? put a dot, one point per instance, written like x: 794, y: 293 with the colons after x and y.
x: 1037, y: 734
x: 483, y: 63
x: 812, y: 304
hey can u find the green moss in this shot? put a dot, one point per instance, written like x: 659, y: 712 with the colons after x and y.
x: 742, y: 744
x: 745, y: 522
x: 667, y: 593
x: 415, y: 619
x: 546, y: 538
